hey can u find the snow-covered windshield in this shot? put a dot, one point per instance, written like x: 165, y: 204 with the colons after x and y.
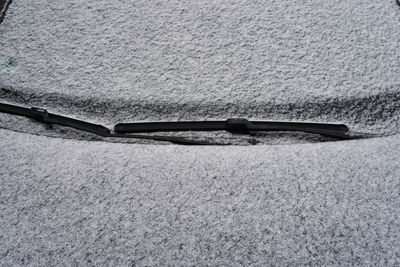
x: 335, y: 61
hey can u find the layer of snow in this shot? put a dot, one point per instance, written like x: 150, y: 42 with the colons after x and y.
x: 66, y: 202
x: 174, y: 59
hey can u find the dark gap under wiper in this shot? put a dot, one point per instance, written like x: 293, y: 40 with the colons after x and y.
x: 234, y: 125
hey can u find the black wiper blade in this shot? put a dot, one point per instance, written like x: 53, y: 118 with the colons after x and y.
x: 44, y: 116
x: 238, y: 125
x: 233, y: 125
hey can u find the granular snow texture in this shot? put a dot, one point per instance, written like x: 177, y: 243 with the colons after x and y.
x: 182, y: 59
x: 66, y: 202
x: 69, y: 202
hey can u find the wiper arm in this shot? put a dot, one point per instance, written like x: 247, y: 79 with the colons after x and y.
x: 44, y: 116
x: 234, y: 125
x: 237, y: 125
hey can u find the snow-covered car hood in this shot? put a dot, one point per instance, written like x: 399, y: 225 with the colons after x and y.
x: 329, y: 61
x: 69, y: 202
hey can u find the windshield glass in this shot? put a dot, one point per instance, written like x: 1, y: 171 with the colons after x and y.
x: 326, y: 61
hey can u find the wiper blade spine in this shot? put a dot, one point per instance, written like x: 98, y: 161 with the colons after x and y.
x: 234, y: 125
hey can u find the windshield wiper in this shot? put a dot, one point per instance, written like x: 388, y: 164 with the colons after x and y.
x: 233, y: 125
x: 237, y: 126
x: 44, y: 116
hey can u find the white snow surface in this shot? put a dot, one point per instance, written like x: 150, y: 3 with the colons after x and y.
x: 74, y: 202
x: 201, y: 59
x: 69, y: 202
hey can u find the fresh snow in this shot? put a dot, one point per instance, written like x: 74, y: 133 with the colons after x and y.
x: 73, y: 202
x: 155, y: 60
x: 68, y: 202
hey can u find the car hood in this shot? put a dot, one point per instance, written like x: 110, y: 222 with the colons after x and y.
x: 66, y: 201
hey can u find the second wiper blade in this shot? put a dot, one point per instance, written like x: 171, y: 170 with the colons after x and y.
x: 236, y: 125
